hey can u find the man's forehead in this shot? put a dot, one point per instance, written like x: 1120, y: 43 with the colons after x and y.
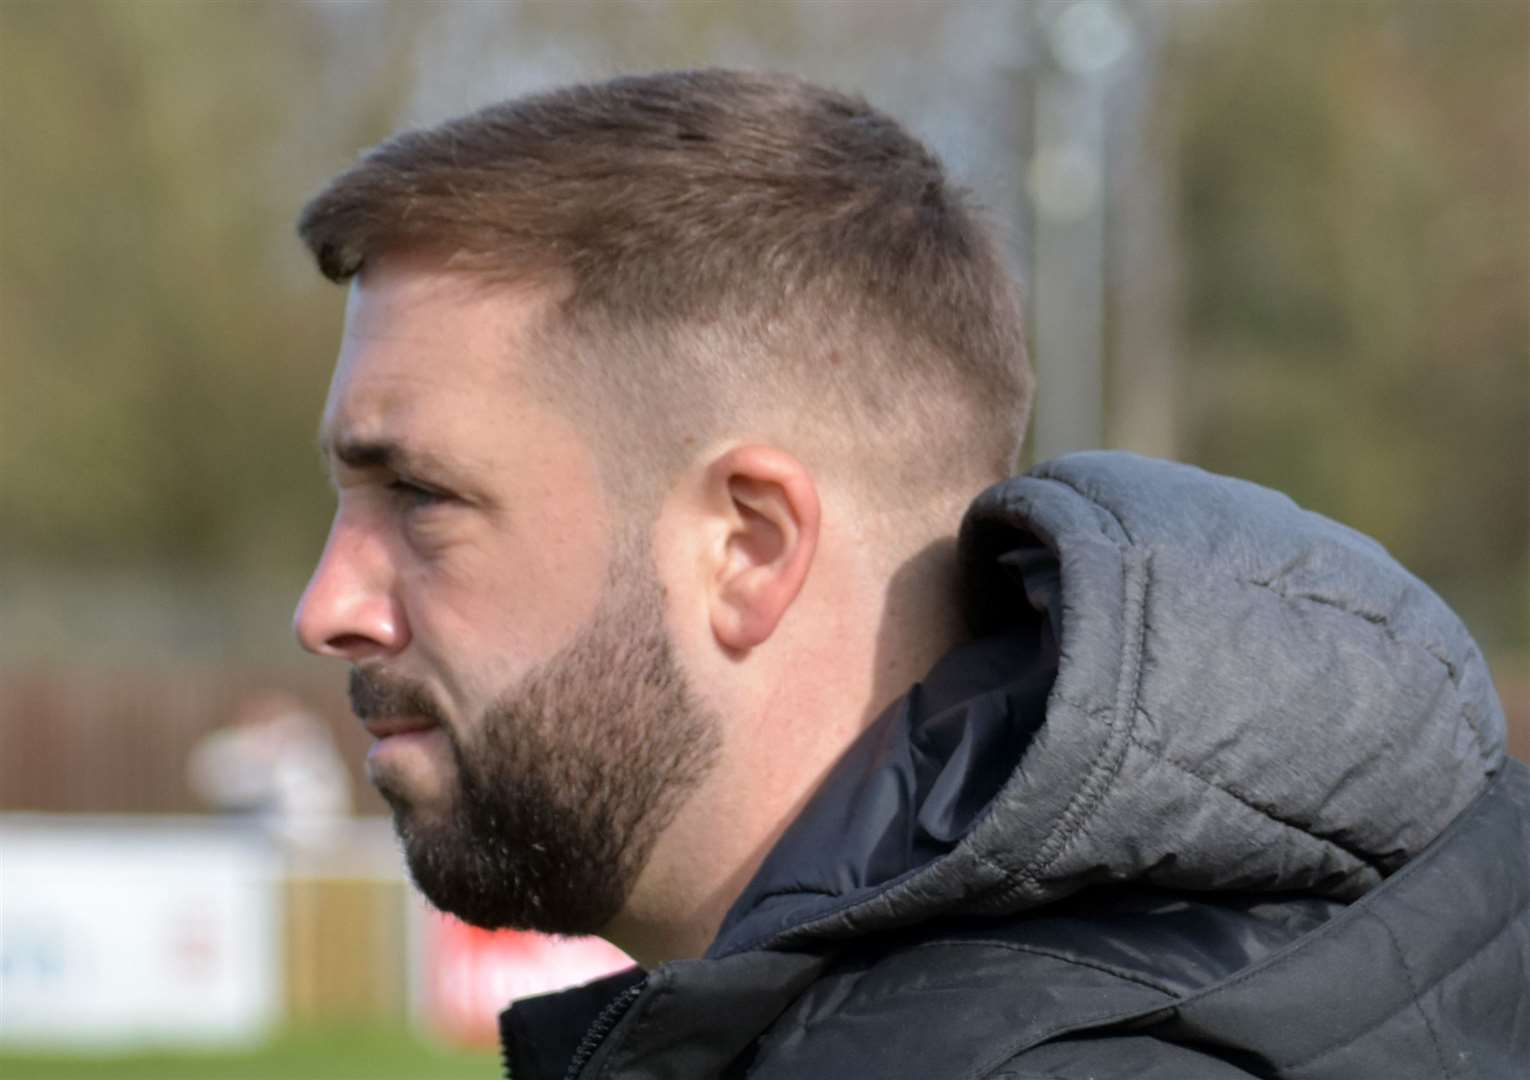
x: 415, y: 327
x: 380, y: 412
x: 407, y: 293
x: 430, y: 361
x: 376, y: 393
x: 414, y: 322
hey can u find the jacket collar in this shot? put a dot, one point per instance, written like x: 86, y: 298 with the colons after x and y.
x: 686, y: 1019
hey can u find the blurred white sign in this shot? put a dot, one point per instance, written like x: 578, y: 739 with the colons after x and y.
x: 133, y: 930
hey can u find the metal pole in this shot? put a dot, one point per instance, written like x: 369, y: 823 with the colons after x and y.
x: 1067, y: 183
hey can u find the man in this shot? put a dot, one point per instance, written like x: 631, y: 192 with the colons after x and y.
x: 658, y: 406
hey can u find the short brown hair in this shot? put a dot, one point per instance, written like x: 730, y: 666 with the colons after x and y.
x: 727, y: 243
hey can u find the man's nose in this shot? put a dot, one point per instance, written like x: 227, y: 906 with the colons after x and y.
x: 349, y: 609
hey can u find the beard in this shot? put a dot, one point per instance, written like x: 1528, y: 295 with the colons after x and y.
x: 567, y: 781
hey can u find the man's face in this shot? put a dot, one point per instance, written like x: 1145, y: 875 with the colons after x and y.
x: 507, y: 638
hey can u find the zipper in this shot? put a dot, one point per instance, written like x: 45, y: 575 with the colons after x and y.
x: 604, y: 1023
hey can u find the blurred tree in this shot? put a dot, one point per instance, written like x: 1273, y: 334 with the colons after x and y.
x: 162, y: 349
x: 1352, y: 193
x: 164, y: 342
x: 1356, y: 203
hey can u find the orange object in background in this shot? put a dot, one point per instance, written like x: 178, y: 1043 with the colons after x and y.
x: 467, y: 976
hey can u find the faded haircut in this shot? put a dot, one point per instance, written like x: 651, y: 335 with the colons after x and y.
x: 729, y: 253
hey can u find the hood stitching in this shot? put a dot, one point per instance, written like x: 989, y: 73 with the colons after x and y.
x: 1136, y: 583
x: 1375, y: 619
x: 1465, y: 713
x: 1295, y: 826
x: 1008, y: 872
x: 1137, y: 565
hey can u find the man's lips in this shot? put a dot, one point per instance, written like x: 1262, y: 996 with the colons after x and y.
x: 380, y: 727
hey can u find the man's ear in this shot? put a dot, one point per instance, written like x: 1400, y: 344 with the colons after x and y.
x: 770, y: 506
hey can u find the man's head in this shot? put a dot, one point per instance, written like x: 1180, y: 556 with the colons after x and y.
x: 631, y: 372
x: 722, y: 252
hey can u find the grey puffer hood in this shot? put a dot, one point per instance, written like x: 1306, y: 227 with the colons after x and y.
x: 1248, y: 697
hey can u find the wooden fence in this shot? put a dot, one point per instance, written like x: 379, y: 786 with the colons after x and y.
x: 118, y: 741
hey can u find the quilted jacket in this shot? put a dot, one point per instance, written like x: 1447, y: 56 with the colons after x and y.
x: 1216, y: 790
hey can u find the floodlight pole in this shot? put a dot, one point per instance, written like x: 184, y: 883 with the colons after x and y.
x: 1067, y: 182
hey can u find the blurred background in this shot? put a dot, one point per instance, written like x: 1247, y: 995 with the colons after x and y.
x: 1284, y: 240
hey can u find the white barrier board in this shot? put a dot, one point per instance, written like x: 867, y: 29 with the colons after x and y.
x: 136, y: 930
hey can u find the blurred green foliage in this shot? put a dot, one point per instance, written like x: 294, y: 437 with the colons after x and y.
x: 163, y: 343
x: 1354, y: 185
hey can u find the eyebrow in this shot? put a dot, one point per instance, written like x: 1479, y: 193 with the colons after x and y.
x: 379, y: 454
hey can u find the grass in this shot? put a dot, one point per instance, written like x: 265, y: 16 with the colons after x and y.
x: 371, y: 1053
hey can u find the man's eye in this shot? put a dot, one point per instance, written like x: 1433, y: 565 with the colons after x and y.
x: 413, y: 496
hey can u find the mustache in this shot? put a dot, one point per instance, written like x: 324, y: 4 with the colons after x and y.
x: 375, y: 696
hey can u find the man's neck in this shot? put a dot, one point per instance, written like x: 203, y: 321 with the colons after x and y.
x: 817, y: 696
x: 921, y: 622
